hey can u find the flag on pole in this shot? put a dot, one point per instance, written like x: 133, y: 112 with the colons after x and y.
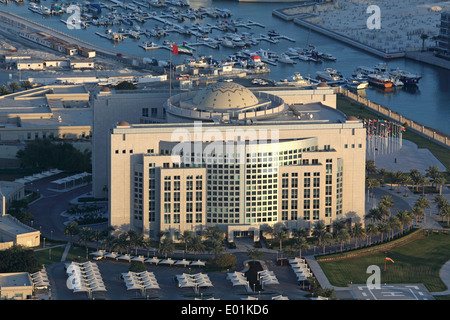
x: 174, y: 49
x: 389, y: 259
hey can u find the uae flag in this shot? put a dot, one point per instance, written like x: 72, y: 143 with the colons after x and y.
x: 174, y: 49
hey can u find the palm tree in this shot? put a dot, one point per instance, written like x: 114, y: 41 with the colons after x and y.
x: 432, y: 173
x: 407, y: 180
x: 300, y: 244
x: 372, y: 230
x: 395, y: 224
x: 85, y: 236
x: 397, y: 177
x: 186, y: 237
x: 196, y: 244
x: 424, y: 37
x: 387, y: 201
x: 327, y: 238
x: 384, y: 211
x: 27, y: 84
x: 416, y: 177
x: 318, y: 230
x: 422, y: 202
x: 167, y: 246
x: 383, y: 173
x: 280, y: 234
x: 439, y: 200
x: 384, y: 228
x: 374, y: 214
x: 404, y: 217
x: 358, y: 233
x: 147, y: 244
x: 372, y: 183
x: 417, y: 212
x: 423, y: 181
x: 343, y: 236
x: 445, y: 212
x: 71, y: 230
x: 255, y: 254
x: 136, y: 239
x: 440, y: 181
x: 371, y: 168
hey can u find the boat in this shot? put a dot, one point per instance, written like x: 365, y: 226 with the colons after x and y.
x: 273, y: 33
x: 227, y: 43
x: 379, y: 80
x: 284, y: 58
x: 406, y: 77
x: 149, y: 45
x: 327, y: 56
x: 357, y: 84
x: 364, y: 71
x: 329, y: 74
x: 295, y: 80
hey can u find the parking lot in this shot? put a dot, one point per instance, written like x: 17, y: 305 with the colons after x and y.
x: 222, y: 289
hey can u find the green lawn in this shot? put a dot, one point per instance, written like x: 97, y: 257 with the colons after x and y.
x: 416, y: 262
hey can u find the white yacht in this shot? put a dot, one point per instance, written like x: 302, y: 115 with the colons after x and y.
x: 227, y: 43
x: 149, y: 45
x: 329, y: 74
x: 327, y: 56
x: 284, y: 58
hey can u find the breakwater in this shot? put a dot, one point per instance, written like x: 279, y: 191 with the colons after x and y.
x: 427, y: 132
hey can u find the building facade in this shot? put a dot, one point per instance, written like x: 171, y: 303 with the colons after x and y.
x: 241, y: 167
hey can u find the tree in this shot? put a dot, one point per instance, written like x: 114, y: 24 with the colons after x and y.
x: 14, y: 86
x: 394, y: 223
x: 126, y: 85
x: 327, y: 238
x: 416, y: 177
x: 71, y: 230
x: 19, y: 259
x: 372, y: 230
x: 397, y: 178
x: 384, y: 228
x: 445, y: 212
x: 432, y: 173
x: 358, y: 233
x: 406, y: 180
x: 85, y: 236
x: 383, y: 173
x: 197, y: 244
x: 371, y: 168
x: 280, y: 234
x: 404, y: 217
x: 372, y: 183
x: 301, y: 243
x: 27, y: 84
x: 342, y: 237
x: 318, y: 230
x: 167, y: 247
x: 186, y: 237
x: 136, y: 239
x: 424, y: 37
x: 440, y: 181
x: 4, y: 90
x: 439, y: 200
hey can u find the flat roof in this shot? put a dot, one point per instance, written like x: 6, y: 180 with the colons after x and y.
x: 15, y: 279
x: 10, y: 225
x: 8, y: 187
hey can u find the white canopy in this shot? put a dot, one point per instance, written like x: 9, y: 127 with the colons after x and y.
x: 168, y: 261
x: 250, y: 298
x: 112, y: 255
x: 153, y: 260
x: 99, y: 253
x: 197, y: 263
x: 138, y: 258
x: 126, y: 257
x: 183, y: 262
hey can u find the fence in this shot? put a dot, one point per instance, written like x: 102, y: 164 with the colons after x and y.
x: 427, y: 132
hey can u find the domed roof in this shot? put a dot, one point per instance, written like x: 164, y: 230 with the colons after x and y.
x: 123, y: 124
x: 352, y: 118
x: 322, y: 85
x: 225, y: 96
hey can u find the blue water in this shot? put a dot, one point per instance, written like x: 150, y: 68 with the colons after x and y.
x: 429, y: 104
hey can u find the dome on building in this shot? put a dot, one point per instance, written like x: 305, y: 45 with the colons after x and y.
x: 322, y: 85
x: 225, y: 96
x: 352, y: 118
x: 123, y: 124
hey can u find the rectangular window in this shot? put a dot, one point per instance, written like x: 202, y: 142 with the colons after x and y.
x: 167, y: 218
x: 189, y: 218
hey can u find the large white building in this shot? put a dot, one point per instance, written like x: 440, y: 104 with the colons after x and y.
x: 227, y: 156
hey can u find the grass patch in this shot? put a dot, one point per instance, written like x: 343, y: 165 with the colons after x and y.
x: 415, y: 262
x: 351, y: 108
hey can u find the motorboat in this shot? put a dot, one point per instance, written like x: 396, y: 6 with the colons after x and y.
x: 227, y: 43
x: 406, y: 77
x: 273, y: 33
x: 379, y: 80
x: 364, y: 71
x: 295, y: 80
x: 149, y: 45
x: 284, y: 58
x: 381, y: 67
x: 329, y: 74
x: 357, y: 84
x: 327, y: 56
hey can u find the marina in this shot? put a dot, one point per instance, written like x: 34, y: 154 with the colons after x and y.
x: 207, y: 33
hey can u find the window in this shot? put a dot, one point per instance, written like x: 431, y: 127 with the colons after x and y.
x: 189, y: 196
x: 145, y: 112
x: 176, y: 218
x: 307, y: 182
x: 198, y: 217
x: 166, y: 207
x: 189, y: 218
x: 306, y: 193
x: 167, y: 218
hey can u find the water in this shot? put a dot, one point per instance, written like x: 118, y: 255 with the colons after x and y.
x: 429, y: 104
